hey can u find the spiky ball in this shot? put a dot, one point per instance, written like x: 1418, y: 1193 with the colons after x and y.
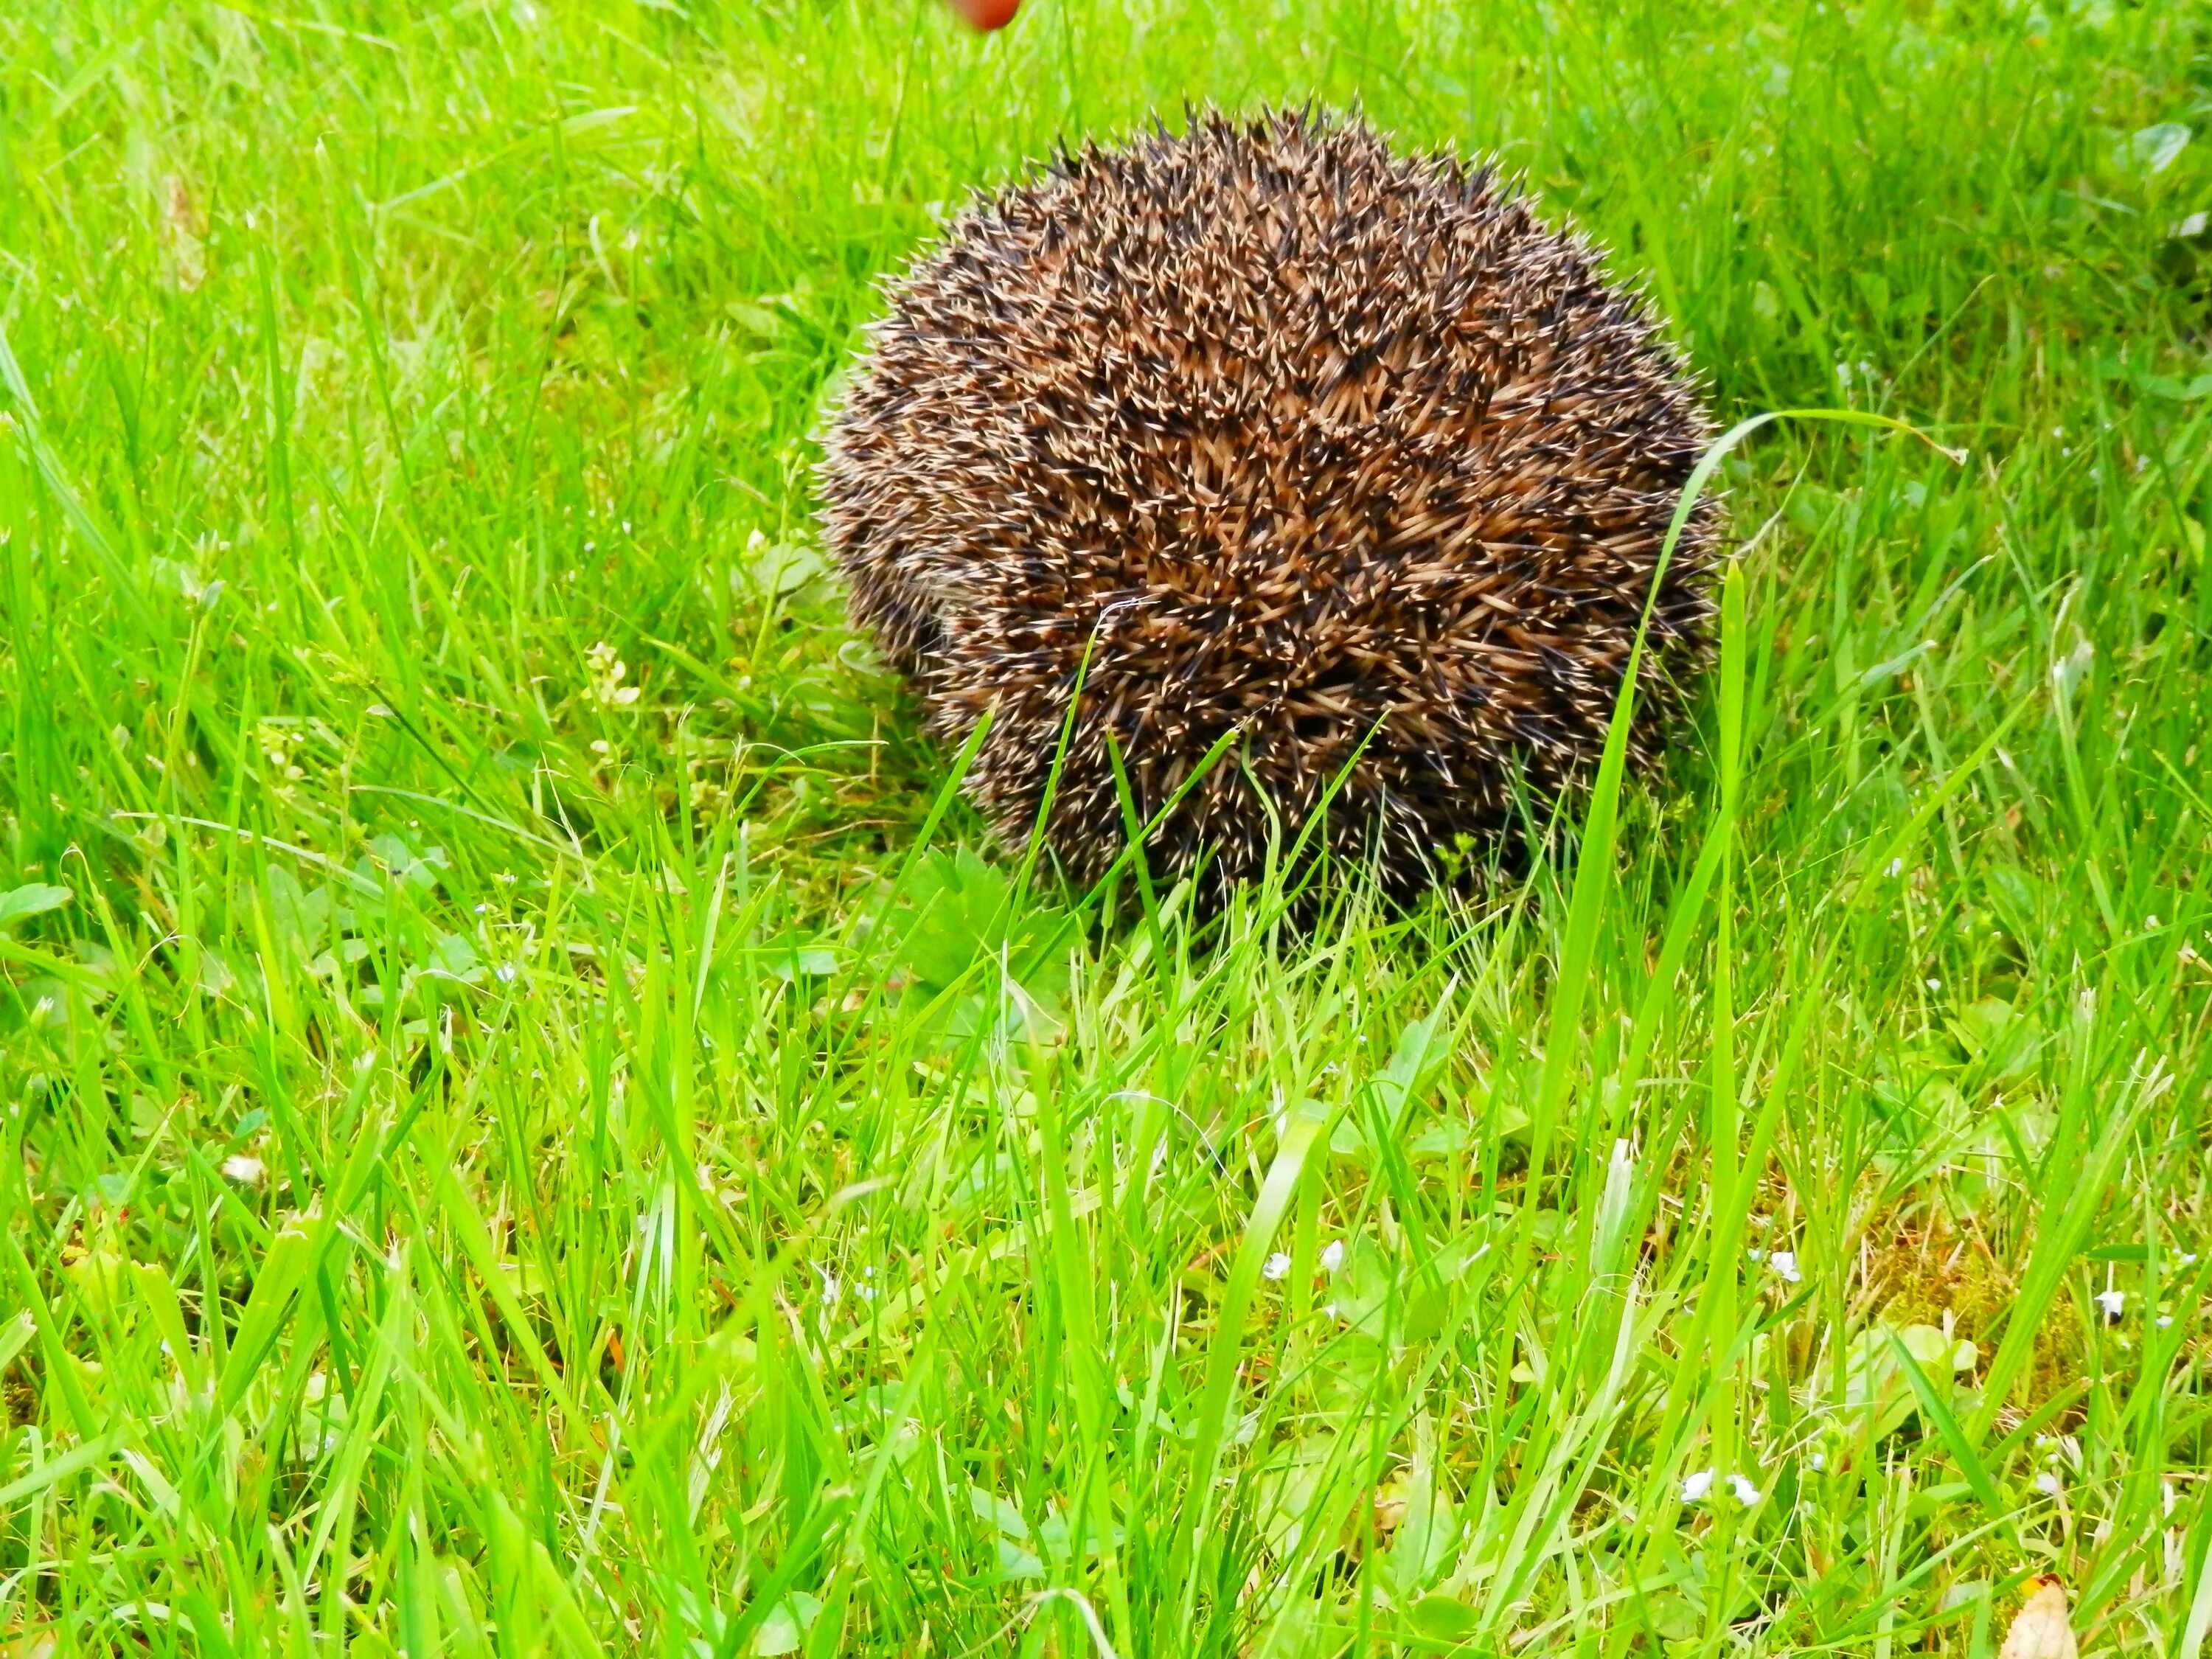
x: 1300, y: 438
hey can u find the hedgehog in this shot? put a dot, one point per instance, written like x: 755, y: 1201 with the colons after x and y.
x: 1261, y: 430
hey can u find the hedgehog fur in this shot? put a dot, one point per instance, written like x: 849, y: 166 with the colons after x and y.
x: 1342, y: 451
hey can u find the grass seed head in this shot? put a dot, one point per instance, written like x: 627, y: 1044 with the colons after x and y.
x: 1343, y: 452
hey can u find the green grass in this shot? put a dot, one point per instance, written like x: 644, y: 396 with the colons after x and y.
x: 495, y: 1163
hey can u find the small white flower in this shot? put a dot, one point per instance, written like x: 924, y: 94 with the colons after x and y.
x: 1277, y: 1266
x: 1330, y: 1308
x: 1696, y: 1485
x: 2150, y: 922
x: 1331, y: 1256
x: 2113, y: 1303
x: 2047, y: 1484
x: 1820, y: 1461
x: 2165, y: 1321
x: 2189, y: 1258
x: 1746, y: 1493
x: 1784, y: 1264
x: 1896, y: 867
x: 831, y: 1289
x: 1756, y: 1255
x: 1934, y: 984
x: 606, y: 673
x: 245, y: 1169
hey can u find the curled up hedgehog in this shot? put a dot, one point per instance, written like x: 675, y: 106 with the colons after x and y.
x: 1259, y: 429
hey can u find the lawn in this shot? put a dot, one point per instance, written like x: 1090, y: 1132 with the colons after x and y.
x: 537, y: 1120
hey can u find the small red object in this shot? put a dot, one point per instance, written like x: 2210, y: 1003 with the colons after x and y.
x: 986, y: 14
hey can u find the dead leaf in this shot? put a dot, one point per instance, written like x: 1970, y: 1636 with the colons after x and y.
x: 186, y: 233
x: 2041, y: 1631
